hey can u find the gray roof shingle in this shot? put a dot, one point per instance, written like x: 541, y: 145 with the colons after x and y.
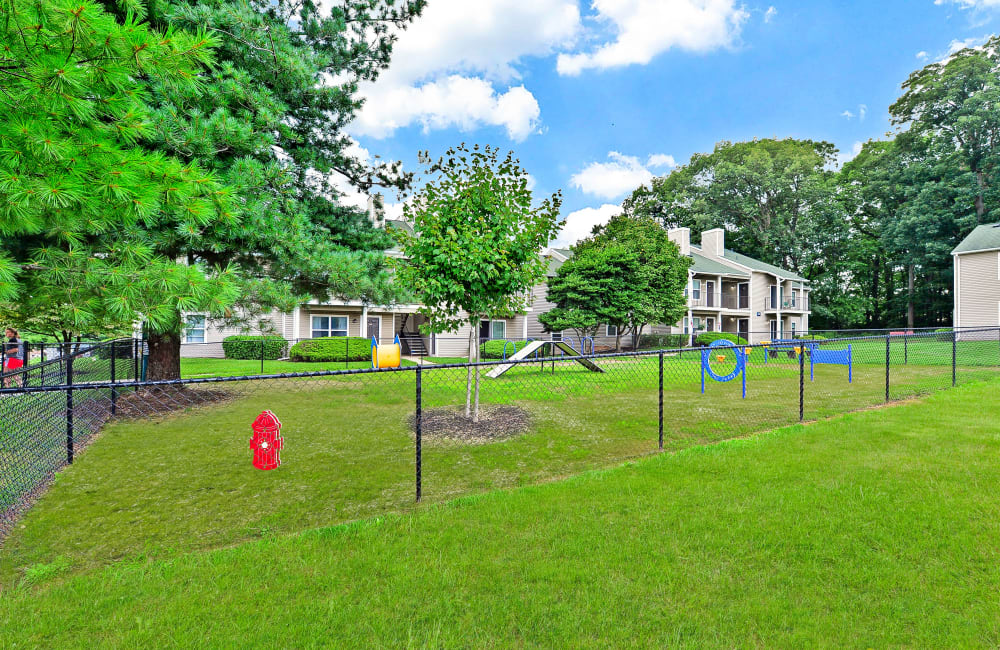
x: 982, y: 238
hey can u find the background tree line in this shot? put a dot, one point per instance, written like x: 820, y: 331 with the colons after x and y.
x: 875, y: 236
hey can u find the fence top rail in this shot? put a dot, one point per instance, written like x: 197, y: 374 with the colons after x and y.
x: 444, y: 366
x: 62, y: 358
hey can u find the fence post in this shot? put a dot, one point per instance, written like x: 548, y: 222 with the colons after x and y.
x: 954, y: 354
x: 69, y: 410
x: 887, y: 342
x: 418, y: 426
x: 661, y: 399
x: 114, y: 389
x: 906, y: 348
x: 802, y: 382
x: 41, y: 369
x: 262, y: 354
x: 135, y: 360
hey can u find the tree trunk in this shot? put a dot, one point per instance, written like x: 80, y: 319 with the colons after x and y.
x: 164, y: 356
x: 980, y: 201
x: 618, y: 339
x: 475, y: 407
x: 468, y: 372
x: 910, y: 282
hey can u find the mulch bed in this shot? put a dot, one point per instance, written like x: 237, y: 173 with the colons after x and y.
x: 496, y: 423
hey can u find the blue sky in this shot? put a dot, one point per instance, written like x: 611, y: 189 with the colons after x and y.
x: 596, y: 97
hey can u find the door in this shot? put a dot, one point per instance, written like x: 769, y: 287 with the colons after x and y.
x: 774, y: 329
x: 484, y: 331
x: 710, y: 290
x: 774, y: 297
x: 743, y: 328
x: 744, y: 293
x: 710, y: 324
x: 374, y: 327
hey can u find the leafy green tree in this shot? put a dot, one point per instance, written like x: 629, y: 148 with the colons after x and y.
x: 956, y: 103
x: 773, y: 197
x: 628, y: 274
x: 476, y: 243
x: 269, y: 120
x: 79, y: 196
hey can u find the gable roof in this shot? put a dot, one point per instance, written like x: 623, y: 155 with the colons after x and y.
x: 764, y: 267
x: 703, y: 264
x: 982, y: 238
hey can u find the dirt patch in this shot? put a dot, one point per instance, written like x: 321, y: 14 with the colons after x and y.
x: 163, y: 400
x: 496, y: 423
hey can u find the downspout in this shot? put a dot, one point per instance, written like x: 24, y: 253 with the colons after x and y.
x: 690, y: 297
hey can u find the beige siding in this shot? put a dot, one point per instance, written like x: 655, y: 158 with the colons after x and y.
x: 978, y: 289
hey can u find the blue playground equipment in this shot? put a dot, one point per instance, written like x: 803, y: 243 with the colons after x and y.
x: 583, y: 347
x: 833, y: 357
x: 505, y: 344
x: 739, y: 371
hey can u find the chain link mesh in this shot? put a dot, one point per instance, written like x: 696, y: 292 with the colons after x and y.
x: 549, y: 415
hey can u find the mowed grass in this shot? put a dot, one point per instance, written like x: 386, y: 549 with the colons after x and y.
x: 194, y: 367
x: 183, y: 482
x: 870, y: 530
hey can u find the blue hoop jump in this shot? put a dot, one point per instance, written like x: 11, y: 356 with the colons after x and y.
x: 739, y: 371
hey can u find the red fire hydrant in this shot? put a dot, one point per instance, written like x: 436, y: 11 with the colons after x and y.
x: 266, y: 441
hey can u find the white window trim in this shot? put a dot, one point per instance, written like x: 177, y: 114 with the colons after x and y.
x: 330, y: 330
x: 493, y: 322
x: 188, y: 329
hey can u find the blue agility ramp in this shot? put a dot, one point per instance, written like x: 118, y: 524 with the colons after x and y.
x: 832, y: 357
x: 739, y: 371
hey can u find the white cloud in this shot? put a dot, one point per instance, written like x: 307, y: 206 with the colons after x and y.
x: 848, y: 114
x: 862, y: 111
x: 959, y: 45
x: 645, y: 28
x: 621, y: 174
x: 456, y: 66
x: 970, y: 4
x: 769, y: 14
x: 661, y: 160
x: 922, y: 55
x: 847, y: 156
x: 456, y: 101
x: 580, y: 223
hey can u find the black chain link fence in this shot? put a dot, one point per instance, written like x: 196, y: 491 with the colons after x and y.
x: 435, y: 431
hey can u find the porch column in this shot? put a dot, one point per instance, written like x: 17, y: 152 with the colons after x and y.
x: 363, y: 327
x: 690, y: 297
x: 778, y: 294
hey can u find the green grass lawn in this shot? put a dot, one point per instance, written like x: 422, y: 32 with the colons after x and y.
x: 193, y: 367
x: 870, y: 530
x: 183, y: 482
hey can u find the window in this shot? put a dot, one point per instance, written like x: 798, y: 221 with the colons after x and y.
x: 495, y: 329
x: 793, y: 329
x: 329, y: 326
x: 194, y: 329
x: 611, y: 330
x: 686, y: 330
x: 696, y: 289
x: 795, y: 298
x: 499, y: 329
x: 697, y: 323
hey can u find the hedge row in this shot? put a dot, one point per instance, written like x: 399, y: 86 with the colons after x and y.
x: 706, y: 338
x: 662, y: 341
x: 494, y: 349
x: 333, y: 348
x: 243, y: 346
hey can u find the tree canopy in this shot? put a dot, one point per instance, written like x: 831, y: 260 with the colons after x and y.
x: 628, y: 275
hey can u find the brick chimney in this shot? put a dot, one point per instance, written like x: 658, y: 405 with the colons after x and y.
x: 681, y: 237
x: 713, y: 242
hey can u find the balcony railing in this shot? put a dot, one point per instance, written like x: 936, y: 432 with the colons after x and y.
x: 796, y: 303
x: 719, y: 301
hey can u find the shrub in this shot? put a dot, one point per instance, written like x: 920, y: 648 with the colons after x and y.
x: 662, y: 341
x: 706, y: 338
x: 123, y: 349
x: 494, y: 349
x: 333, y: 348
x: 249, y: 347
x: 943, y: 334
x: 812, y: 337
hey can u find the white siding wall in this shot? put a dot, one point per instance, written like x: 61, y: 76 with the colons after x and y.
x: 978, y: 288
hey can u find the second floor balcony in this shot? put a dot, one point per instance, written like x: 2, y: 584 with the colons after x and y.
x: 794, y: 302
x: 706, y: 300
